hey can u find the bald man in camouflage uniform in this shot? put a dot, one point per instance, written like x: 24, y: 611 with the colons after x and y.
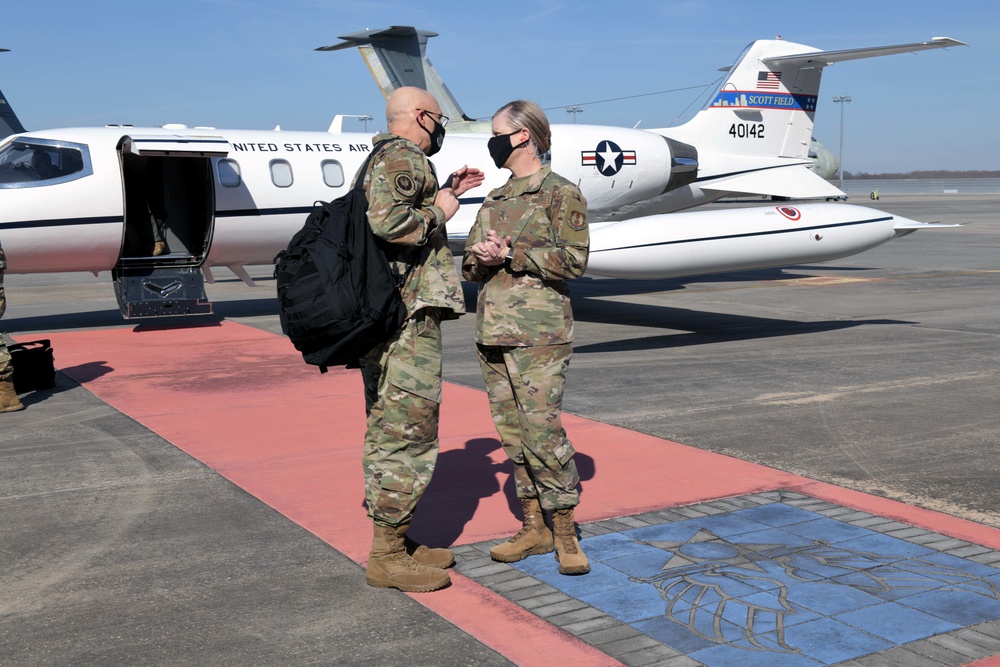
x: 9, y: 401
x: 403, y: 375
x: 530, y: 236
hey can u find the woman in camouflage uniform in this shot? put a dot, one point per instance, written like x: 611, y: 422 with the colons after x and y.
x: 529, y: 238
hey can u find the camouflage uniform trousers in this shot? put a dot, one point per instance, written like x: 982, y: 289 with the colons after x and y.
x: 6, y: 369
x: 403, y: 395
x: 525, y: 386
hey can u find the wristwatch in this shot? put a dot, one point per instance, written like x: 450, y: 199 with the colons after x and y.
x: 509, y: 258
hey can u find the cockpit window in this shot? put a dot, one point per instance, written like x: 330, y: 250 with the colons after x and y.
x: 26, y: 162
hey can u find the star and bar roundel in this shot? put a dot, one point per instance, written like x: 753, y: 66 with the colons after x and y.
x: 608, y: 158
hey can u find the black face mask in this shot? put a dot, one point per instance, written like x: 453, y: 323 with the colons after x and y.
x: 436, y: 135
x: 501, y: 149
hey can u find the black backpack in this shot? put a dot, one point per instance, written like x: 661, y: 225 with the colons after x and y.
x: 338, y: 297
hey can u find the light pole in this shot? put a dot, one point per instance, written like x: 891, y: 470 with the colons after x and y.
x: 364, y: 119
x: 574, y: 110
x: 841, y: 100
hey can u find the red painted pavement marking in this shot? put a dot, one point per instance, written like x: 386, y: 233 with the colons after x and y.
x: 241, y: 401
x: 986, y: 662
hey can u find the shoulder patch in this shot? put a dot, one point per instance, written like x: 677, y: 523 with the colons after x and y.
x: 404, y: 184
x: 577, y: 220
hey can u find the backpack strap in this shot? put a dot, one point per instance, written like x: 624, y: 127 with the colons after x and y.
x: 400, y: 280
x: 359, y: 184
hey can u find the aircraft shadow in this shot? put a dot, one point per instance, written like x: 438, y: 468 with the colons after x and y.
x: 461, y: 479
x: 731, y: 328
x: 58, y: 321
x: 612, y: 286
x: 246, y: 307
x: 693, y: 327
x: 112, y: 318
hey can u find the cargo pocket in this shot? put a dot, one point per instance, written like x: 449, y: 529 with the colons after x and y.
x: 411, y: 403
x: 564, y: 452
x: 397, y: 483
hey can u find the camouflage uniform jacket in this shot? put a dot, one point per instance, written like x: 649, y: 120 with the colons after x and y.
x: 528, y: 303
x: 401, y: 186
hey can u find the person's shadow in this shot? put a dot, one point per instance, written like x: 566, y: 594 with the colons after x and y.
x: 461, y: 478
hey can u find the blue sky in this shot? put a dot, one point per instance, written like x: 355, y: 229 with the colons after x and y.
x: 252, y: 64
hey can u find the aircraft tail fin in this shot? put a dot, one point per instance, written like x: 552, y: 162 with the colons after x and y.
x: 766, y: 105
x: 397, y: 57
x: 9, y: 123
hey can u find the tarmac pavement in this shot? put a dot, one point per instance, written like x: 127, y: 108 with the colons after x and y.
x: 876, y: 373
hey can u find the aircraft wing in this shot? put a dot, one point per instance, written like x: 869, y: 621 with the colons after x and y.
x: 796, y: 182
x: 823, y: 58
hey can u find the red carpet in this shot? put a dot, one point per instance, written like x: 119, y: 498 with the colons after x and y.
x: 242, y: 401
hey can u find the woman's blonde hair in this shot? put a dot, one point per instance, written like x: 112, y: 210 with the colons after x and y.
x: 523, y: 113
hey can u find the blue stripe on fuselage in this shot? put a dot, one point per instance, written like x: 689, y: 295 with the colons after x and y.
x: 63, y: 222
x: 235, y: 213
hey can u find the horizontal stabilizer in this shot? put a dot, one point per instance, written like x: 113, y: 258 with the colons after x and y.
x: 903, y: 223
x: 904, y: 226
x: 9, y: 123
x: 795, y: 182
x: 822, y: 58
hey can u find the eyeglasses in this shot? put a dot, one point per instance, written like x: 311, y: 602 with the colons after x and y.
x: 441, y: 118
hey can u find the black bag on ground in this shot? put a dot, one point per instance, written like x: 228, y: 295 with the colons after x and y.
x: 34, y: 367
x: 337, y: 294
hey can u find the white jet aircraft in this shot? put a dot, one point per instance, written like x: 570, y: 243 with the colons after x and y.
x: 82, y: 199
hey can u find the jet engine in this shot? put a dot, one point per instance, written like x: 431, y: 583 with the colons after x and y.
x: 617, y: 166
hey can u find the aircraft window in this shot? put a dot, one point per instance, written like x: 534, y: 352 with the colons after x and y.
x: 281, y: 173
x: 229, y: 173
x: 333, y: 173
x: 26, y: 163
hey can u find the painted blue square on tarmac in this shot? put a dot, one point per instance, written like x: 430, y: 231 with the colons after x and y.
x: 775, y: 584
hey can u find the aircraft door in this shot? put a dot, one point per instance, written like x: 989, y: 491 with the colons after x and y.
x: 169, y: 221
x: 169, y: 209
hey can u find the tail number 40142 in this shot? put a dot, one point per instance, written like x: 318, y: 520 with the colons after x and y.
x: 747, y: 130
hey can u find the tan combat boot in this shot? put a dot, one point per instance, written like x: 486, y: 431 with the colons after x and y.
x: 159, y: 248
x: 571, y: 558
x: 429, y: 556
x: 389, y: 566
x: 9, y: 402
x: 533, y: 538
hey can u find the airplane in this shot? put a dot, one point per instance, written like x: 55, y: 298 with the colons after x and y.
x: 82, y: 199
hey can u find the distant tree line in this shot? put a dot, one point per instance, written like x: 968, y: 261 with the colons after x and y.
x: 940, y: 173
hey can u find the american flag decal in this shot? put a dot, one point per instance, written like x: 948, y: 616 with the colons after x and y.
x: 768, y: 80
